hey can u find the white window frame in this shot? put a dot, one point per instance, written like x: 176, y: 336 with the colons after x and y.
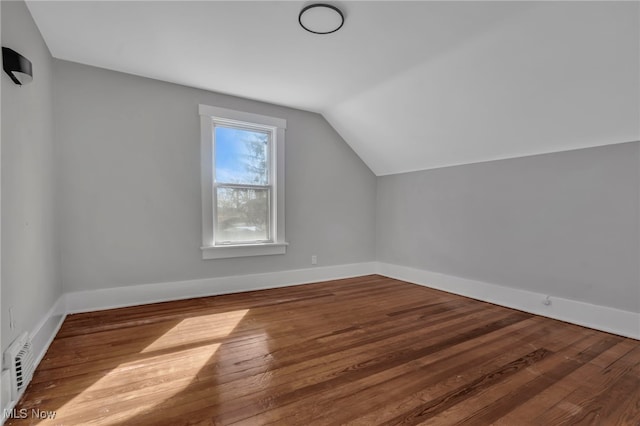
x: 209, y: 115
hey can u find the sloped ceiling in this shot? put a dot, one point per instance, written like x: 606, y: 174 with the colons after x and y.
x: 409, y: 85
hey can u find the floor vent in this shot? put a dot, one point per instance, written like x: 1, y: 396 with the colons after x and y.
x: 20, y: 362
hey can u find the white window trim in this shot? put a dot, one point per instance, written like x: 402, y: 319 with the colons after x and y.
x: 224, y: 251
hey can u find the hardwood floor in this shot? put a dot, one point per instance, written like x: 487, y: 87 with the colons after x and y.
x: 362, y: 351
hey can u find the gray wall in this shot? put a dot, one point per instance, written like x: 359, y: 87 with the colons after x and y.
x: 129, y: 184
x: 30, y: 278
x: 122, y: 204
x: 564, y: 224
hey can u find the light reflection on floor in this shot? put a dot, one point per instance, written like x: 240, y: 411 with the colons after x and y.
x: 162, y: 369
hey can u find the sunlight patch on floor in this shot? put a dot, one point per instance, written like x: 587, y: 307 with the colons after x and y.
x: 154, y: 375
x: 204, y: 328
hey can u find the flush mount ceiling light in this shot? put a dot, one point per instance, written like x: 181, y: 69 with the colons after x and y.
x: 321, y: 18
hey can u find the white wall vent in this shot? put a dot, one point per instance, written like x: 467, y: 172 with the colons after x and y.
x: 20, y: 362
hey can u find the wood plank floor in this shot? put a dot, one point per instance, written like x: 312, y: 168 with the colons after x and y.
x: 363, y: 351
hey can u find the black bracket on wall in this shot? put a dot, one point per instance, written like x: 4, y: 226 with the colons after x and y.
x: 17, y: 66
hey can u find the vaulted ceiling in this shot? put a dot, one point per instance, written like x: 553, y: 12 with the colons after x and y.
x: 409, y: 85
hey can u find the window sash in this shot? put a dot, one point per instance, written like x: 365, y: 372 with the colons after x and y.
x: 271, y: 170
x: 244, y: 126
x: 269, y: 219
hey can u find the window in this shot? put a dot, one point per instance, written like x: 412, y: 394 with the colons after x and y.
x: 242, y: 183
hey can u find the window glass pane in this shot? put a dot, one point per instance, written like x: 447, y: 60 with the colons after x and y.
x: 241, y: 156
x: 243, y: 215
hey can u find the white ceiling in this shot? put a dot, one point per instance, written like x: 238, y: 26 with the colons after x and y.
x: 409, y: 85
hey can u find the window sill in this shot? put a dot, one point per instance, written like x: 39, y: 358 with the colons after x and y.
x: 243, y: 250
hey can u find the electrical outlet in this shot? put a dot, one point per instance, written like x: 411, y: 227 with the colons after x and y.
x: 12, y: 319
x: 314, y: 260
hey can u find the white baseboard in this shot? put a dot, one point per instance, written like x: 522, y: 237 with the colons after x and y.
x: 117, y: 297
x: 599, y: 317
x: 45, y: 331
